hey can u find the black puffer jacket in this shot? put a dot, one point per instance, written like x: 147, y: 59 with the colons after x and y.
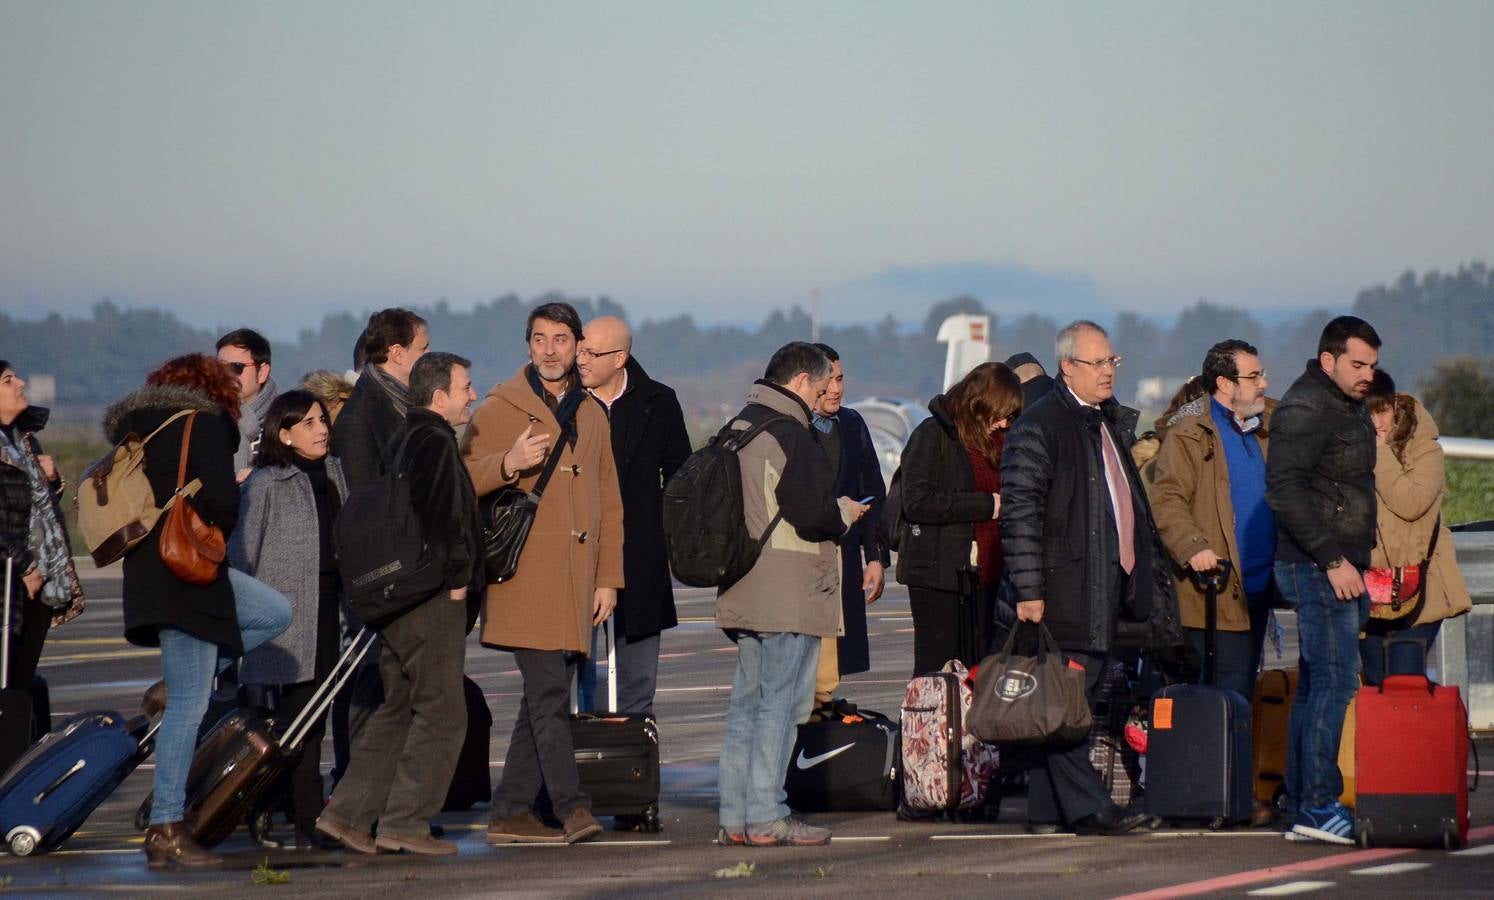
x: 1057, y: 528
x: 1320, y: 476
x: 15, y: 500
x: 940, y: 507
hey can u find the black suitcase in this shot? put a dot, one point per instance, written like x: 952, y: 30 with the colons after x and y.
x: 845, y: 764
x: 41, y: 707
x: 1199, y: 766
x: 16, y: 720
x: 618, y: 756
x: 472, y: 782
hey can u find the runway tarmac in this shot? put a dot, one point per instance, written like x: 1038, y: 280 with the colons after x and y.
x: 89, y: 666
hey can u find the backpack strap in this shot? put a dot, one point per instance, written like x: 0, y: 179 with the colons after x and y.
x: 741, y: 438
x: 162, y: 426
x: 565, y: 418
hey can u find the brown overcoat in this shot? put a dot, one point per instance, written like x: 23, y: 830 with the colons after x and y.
x: 1191, y: 503
x: 575, y: 546
x: 1409, y: 498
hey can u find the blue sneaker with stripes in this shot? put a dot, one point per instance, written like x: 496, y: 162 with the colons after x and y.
x: 1332, y: 824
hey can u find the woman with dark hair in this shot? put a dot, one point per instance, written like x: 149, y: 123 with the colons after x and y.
x: 199, y: 628
x: 1409, y: 484
x: 44, y: 589
x: 295, y: 493
x: 950, y: 548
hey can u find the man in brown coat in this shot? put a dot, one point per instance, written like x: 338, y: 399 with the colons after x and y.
x: 569, y: 572
x: 1209, y: 498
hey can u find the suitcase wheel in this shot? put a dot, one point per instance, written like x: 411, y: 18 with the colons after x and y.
x: 1363, y: 833
x: 23, y: 841
x: 1217, y: 824
x: 651, y: 823
x: 1450, y: 838
x: 142, y: 815
x: 1279, y: 799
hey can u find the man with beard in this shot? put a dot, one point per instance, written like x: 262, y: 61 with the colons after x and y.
x: 1320, y: 483
x: 569, y: 572
x: 1209, y: 497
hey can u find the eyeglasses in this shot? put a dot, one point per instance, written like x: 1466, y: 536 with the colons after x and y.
x: 584, y: 353
x: 1252, y: 376
x: 1109, y: 362
x: 238, y: 368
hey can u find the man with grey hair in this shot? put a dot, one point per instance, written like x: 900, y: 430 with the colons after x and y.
x: 1081, y: 550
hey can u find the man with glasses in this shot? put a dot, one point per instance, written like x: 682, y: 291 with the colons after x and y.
x: 247, y: 354
x: 649, y: 442
x: 1209, y: 493
x: 1080, y: 546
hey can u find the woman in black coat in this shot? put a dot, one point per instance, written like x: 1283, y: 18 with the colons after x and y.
x: 44, y: 589
x: 949, y: 549
x: 199, y: 628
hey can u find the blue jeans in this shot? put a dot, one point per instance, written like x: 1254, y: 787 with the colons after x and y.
x: 772, y: 693
x: 1328, y: 639
x: 189, y: 665
x: 1237, y: 654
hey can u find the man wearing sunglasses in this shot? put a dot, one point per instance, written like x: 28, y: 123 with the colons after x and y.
x: 247, y: 354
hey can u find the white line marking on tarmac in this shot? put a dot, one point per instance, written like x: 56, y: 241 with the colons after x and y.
x: 1182, y: 834
x: 997, y: 837
x: 1485, y: 850
x: 860, y: 839
x: 1291, y: 887
x: 592, y: 844
x: 1392, y: 868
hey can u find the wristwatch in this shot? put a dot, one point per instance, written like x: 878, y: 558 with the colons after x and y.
x: 1333, y: 564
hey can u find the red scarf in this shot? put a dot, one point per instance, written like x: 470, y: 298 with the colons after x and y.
x: 987, y: 533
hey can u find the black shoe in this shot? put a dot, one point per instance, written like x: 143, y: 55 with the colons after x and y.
x: 308, y: 838
x: 437, y: 831
x: 1044, y: 828
x: 259, y: 830
x: 1110, y: 822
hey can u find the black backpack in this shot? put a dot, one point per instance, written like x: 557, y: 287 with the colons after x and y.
x: 387, y: 569
x: 705, y: 527
x: 890, y: 517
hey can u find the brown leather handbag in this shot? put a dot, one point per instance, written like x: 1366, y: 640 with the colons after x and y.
x: 192, y: 549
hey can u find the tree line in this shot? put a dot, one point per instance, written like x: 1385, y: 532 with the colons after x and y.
x: 1436, y: 328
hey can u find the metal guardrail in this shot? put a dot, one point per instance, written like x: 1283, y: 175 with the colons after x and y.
x: 1467, y: 448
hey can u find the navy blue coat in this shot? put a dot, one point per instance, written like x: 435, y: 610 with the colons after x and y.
x: 859, y: 475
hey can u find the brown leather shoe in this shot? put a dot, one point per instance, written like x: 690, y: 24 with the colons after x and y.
x: 423, y: 844
x: 154, y: 701
x: 1262, y: 815
x: 525, y: 828
x: 351, y: 838
x: 170, y: 845
x: 580, y: 825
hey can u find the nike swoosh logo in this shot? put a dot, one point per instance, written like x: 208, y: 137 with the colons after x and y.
x: 809, y: 762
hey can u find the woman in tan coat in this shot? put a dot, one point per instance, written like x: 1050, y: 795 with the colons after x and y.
x: 1409, y: 485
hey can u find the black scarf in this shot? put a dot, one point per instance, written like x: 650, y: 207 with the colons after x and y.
x: 564, y: 408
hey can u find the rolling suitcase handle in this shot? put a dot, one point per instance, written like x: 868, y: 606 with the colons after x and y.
x: 329, y: 688
x: 1211, y: 583
x: 5, y: 628
x: 611, y: 673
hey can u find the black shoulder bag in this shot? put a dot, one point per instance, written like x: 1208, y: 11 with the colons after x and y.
x: 508, y: 513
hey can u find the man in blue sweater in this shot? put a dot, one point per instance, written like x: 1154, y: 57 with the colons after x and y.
x: 1209, y: 498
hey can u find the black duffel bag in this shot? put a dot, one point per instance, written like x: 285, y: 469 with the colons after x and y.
x: 848, y: 763
x: 508, y: 513
x: 386, y: 567
x: 1029, y: 699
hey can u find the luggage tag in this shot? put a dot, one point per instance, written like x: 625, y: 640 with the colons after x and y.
x: 1162, y: 713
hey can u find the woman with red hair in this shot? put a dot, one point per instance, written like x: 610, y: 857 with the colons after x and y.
x: 199, y: 627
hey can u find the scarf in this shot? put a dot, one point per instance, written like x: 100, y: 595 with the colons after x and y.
x: 61, y: 590
x: 563, y: 408
x: 398, y: 394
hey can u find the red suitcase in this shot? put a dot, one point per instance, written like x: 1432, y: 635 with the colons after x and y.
x: 1411, y: 758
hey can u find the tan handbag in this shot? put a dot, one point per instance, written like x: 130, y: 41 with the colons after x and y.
x: 192, y: 549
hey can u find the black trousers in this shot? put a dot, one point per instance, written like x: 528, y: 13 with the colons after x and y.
x: 949, y: 625
x: 541, y: 754
x: 1062, y: 786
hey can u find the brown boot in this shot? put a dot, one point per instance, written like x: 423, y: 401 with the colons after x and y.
x: 525, y: 828
x: 170, y: 845
x: 580, y: 825
x: 154, y: 701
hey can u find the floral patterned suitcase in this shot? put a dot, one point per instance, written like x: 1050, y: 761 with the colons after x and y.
x: 945, y: 770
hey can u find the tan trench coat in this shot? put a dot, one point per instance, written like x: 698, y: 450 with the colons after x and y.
x: 575, y: 546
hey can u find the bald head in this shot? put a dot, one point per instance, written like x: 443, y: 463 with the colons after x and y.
x: 606, y: 345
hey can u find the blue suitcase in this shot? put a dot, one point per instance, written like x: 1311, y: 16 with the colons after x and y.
x: 59, y: 782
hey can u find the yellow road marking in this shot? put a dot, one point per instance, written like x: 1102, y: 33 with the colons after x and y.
x: 97, y: 657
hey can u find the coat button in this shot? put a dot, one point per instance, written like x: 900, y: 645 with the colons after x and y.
x: 575, y: 470
x: 580, y: 536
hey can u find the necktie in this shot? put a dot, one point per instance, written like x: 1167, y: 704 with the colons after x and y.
x: 1125, y: 518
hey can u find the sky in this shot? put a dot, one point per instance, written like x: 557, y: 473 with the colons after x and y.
x: 270, y: 162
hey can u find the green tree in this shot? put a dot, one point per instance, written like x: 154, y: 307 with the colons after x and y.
x: 1460, y: 396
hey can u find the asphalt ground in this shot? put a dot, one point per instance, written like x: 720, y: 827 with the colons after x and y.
x: 89, y: 666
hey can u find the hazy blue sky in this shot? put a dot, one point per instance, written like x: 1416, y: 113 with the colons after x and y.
x: 727, y: 158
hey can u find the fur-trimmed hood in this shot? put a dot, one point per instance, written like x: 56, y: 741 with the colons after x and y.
x: 169, y: 397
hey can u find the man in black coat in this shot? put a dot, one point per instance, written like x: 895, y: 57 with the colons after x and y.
x: 404, y: 757
x: 863, y: 561
x: 388, y: 348
x: 1080, y: 545
x: 649, y: 443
